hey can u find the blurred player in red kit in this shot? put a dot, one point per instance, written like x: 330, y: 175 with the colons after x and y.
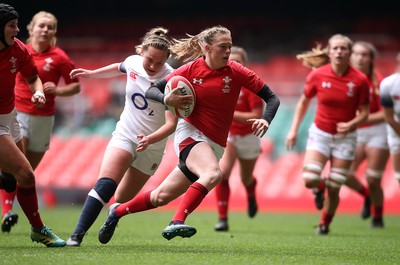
x: 37, y: 123
x: 243, y: 145
x: 342, y: 105
x: 17, y: 173
x: 372, y: 145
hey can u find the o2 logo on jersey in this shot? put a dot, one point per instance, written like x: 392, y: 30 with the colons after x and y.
x: 140, y: 102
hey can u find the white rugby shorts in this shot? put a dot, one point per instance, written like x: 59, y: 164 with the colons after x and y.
x: 373, y: 136
x: 37, y: 129
x: 185, y: 130
x: 146, y: 161
x: 248, y: 146
x: 9, y: 125
x: 342, y: 147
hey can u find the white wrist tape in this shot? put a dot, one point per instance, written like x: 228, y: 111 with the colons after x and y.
x: 39, y: 93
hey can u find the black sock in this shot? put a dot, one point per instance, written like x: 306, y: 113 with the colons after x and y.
x: 97, y: 198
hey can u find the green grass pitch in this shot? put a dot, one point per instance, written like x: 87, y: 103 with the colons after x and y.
x: 269, y: 238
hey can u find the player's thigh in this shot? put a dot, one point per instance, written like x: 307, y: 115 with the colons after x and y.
x: 130, y: 185
x: 12, y: 159
x: 377, y: 158
x: 314, y: 156
x: 246, y: 169
x: 359, y: 157
x: 115, y: 163
x: 228, y: 160
x: 396, y: 161
x: 174, y: 185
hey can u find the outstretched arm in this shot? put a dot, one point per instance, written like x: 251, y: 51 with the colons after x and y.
x: 62, y: 91
x: 108, y: 71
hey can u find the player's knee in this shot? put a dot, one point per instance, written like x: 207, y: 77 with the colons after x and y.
x: 312, y: 173
x: 373, y: 178
x: 337, y: 177
x: 309, y: 184
x: 25, y: 177
x: 160, y: 198
x: 373, y: 174
x: 214, y: 178
x: 225, y: 176
x: 103, y: 190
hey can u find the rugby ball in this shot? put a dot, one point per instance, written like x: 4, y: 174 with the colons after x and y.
x: 185, y: 88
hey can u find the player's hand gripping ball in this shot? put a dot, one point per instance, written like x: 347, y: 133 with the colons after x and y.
x: 185, y: 88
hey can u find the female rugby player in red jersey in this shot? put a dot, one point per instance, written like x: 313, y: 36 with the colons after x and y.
x: 342, y: 105
x: 371, y: 135
x: 200, y: 138
x: 372, y: 143
x: 17, y: 173
x: 243, y: 145
x: 37, y: 123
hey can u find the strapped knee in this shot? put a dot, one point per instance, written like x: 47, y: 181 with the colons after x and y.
x: 337, y: 177
x: 312, y: 170
x: 371, y: 173
x: 103, y: 190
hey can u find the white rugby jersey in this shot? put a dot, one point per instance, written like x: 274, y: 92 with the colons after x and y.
x: 140, y: 115
x: 390, y: 96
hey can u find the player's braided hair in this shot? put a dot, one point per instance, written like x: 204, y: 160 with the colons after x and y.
x: 314, y: 58
x: 192, y: 47
x: 7, y: 13
x: 156, y: 38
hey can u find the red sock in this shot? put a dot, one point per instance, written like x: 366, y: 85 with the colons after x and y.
x: 377, y: 212
x: 190, y: 200
x: 140, y: 203
x: 326, y: 218
x: 27, y: 198
x: 7, y: 201
x: 364, y: 191
x: 321, y: 185
x: 222, y: 193
x: 251, y: 190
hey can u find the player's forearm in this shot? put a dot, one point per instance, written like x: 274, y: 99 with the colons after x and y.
x: 35, y: 84
x: 68, y: 90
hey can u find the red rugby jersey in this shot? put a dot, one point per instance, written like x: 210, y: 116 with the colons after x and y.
x: 52, y: 65
x: 247, y: 101
x: 374, y: 98
x: 14, y: 59
x: 338, y: 97
x: 217, y: 92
